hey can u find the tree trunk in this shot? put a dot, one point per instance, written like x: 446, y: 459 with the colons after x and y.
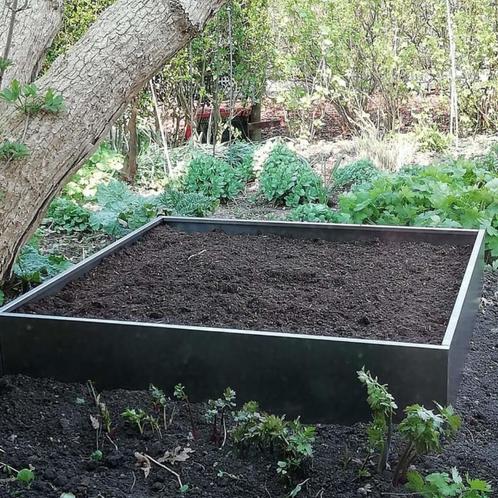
x: 97, y: 78
x: 130, y: 167
x: 36, y: 24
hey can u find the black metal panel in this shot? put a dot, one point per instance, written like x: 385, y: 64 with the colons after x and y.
x: 307, y: 376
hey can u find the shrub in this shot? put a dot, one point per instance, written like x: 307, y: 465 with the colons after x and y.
x: 314, y: 213
x: 431, y: 139
x: 177, y: 203
x: 288, y: 179
x: 65, y: 215
x: 460, y: 193
x: 353, y: 173
x: 212, y: 177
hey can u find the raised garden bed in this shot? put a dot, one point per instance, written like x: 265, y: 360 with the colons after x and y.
x: 285, y: 322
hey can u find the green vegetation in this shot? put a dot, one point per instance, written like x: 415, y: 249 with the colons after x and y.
x: 290, y: 440
x: 65, y: 215
x: 212, y: 177
x: 287, y: 179
x: 345, y: 177
x: 10, y: 151
x: 313, y: 213
x: 443, y: 485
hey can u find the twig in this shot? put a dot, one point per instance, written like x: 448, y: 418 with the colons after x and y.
x: 8, y: 467
x: 224, y: 432
x: 134, y: 481
x: 197, y: 254
x: 112, y: 442
x: 173, y: 411
x: 165, y: 468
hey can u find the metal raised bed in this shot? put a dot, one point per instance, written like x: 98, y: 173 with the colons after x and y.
x: 311, y: 376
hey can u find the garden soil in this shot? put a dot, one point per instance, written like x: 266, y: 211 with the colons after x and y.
x: 400, y: 291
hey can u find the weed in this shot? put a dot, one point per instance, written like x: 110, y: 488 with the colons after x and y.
x: 140, y: 419
x: 343, y: 178
x: 160, y: 402
x: 240, y: 156
x: 10, y: 151
x: 383, y: 407
x: 97, y: 456
x: 178, y: 203
x: 26, y: 98
x: 65, y: 215
x: 25, y: 477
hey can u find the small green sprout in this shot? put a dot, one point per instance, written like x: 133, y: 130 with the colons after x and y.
x: 25, y: 477
x: 160, y: 401
x: 216, y: 414
x: 135, y: 417
x: 4, y: 64
x: 181, y: 395
x: 97, y: 456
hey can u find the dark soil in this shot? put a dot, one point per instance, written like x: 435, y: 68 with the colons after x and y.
x: 398, y: 290
x: 47, y: 425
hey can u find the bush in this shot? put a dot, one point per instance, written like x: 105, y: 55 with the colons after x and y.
x: 240, y: 156
x: 458, y: 194
x: 314, y: 213
x: 288, y: 179
x: 121, y: 209
x: 357, y: 172
x: 431, y: 139
x: 65, y: 215
x: 212, y: 177
x: 177, y: 203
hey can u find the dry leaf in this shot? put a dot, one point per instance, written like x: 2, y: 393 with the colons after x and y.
x: 95, y: 422
x: 177, y: 455
x: 144, y: 463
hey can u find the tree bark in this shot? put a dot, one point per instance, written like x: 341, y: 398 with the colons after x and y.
x: 129, y: 171
x: 36, y: 24
x: 104, y: 70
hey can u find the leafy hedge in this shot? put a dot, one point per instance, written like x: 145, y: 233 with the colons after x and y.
x: 288, y: 179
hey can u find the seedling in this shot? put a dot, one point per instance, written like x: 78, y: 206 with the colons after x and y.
x: 160, y: 401
x: 135, y: 417
x: 216, y: 414
x: 96, y: 456
x: 383, y: 407
x: 105, y: 421
x: 181, y: 395
x: 292, y: 440
x: 25, y: 477
x: 423, y: 429
x: 442, y: 485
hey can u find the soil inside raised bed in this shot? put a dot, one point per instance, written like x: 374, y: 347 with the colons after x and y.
x: 47, y: 425
x: 402, y: 291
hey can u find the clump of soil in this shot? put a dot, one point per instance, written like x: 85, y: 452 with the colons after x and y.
x: 47, y: 425
x: 400, y: 291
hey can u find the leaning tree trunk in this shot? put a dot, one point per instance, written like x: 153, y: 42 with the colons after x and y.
x: 26, y: 40
x: 97, y: 78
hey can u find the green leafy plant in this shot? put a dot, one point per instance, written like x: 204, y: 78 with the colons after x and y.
x: 27, y: 99
x: 344, y: 177
x: 65, y: 215
x: 431, y: 139
x: 383, y: 407
x: 423, y: 430
x: 32, y: 267
x: 212, y: 177
x: 216, y: 415
x: 443, y: 485
x: 2, y: 297
x: 121, y: 209
x: 317, y: 213
x: 240, y: 155
x: 292, y: 440
x: 140, y: 419
x: 25, y: 477
x: 181, y: 395
x: 160, y: 402
x: 10, y: 151
x: 289, y: 180
x: 97, y: 456
x: 459, y: 193
x: 178, y: 203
